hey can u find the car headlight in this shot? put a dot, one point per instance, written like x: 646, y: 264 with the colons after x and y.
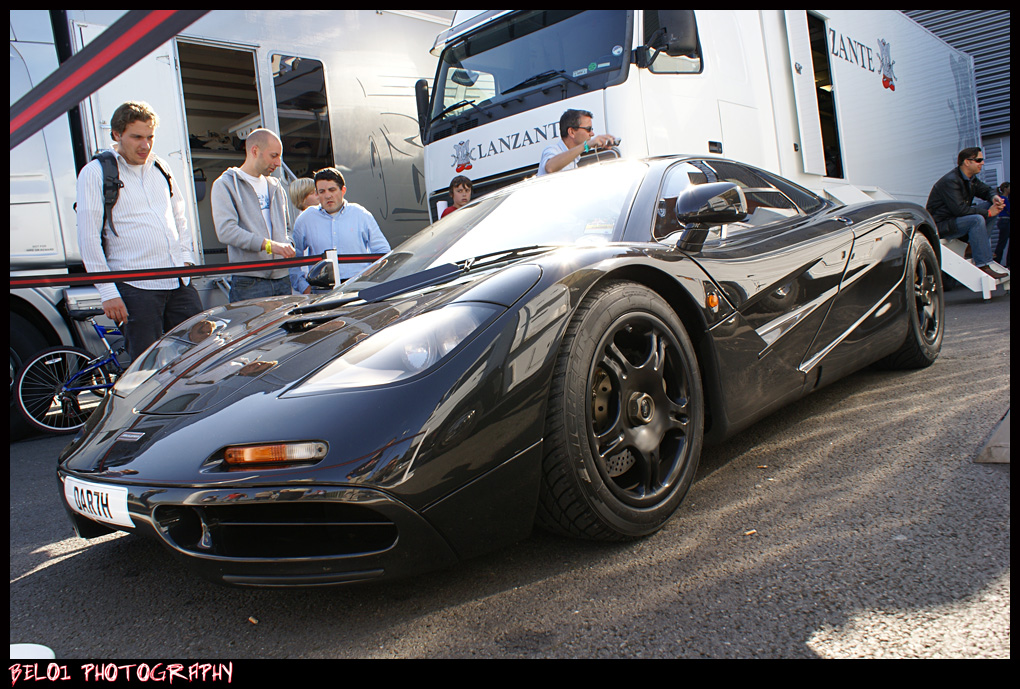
x: 165, y: 351
x: 402, y: 350
x: 159, y: 355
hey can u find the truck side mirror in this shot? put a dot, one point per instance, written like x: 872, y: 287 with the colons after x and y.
x: 321, y: 275
x: 674, y: 32
x: 421, y: 97
x: 681, y: 35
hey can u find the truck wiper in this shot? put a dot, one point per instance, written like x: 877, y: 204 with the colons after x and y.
x: 460, y: 104
x: 543, y: 77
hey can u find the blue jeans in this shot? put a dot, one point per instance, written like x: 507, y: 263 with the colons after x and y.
x: 977, y: 232
x: 246, y: 287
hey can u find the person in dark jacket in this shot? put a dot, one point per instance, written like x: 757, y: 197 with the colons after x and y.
x: 951, y: 204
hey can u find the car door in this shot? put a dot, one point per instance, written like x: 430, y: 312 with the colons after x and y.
x: 781, y: 269
x: 869, y: 296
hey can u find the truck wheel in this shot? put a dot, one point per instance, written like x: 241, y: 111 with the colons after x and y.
x: 625, y: 419
x: 25, y: 343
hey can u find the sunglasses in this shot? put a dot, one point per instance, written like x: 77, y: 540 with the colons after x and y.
x: 977, y: 160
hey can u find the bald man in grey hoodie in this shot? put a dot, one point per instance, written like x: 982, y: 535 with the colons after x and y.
x: 250, y: 211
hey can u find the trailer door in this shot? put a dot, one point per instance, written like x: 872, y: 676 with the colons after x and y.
x: 802, y: 68
x: 154, y: 79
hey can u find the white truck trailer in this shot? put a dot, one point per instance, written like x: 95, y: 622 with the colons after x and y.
x: 852, y: 103
x: 337, y: 85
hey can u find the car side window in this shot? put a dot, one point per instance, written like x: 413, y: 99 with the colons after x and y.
x: 765, y: 203
x: 804, y: 199
x: 767, y: 197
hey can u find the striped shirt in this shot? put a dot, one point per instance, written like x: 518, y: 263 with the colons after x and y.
x: 152, y: 229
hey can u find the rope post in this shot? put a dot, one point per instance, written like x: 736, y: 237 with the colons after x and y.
x: 331, y: 257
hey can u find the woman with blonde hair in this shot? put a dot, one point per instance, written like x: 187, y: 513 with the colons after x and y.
x: 302, y: 193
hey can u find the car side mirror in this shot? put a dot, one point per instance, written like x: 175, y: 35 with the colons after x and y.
x: 321, y: 275
x: 704, y: 206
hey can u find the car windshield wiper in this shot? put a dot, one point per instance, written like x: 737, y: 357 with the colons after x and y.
x: 543, y: 77
x: 460, y: 104
x: 425, y: 278
x: 469, y: 264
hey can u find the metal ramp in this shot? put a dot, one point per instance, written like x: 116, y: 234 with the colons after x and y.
x: 966, y: 273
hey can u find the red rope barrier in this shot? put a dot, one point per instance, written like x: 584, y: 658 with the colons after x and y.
x: 29, y: 281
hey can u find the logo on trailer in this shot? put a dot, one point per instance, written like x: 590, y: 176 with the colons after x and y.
x: 886, y: 64
x: 859, y: 54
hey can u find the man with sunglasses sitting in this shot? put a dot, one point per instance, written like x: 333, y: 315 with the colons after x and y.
x: 575, y: 139
x: 951, y: 204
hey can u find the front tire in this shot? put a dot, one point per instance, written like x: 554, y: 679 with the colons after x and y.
x: 625, y: 421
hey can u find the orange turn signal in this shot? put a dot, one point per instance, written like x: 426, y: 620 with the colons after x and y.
x: 712, y: 301
x: 274, y: 454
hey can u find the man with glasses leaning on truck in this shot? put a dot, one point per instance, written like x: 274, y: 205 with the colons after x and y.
x: 576, y: 138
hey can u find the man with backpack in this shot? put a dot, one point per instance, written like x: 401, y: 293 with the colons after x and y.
x: 131, y: 216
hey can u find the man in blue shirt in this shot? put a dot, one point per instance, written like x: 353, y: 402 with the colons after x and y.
x: 335, y: 224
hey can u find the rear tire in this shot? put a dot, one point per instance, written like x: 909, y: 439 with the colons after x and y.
x: 625, y: 420
x: 39, y: 394
x: 925, y: 309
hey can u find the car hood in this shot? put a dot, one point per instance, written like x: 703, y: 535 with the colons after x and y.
x: 265, y: 346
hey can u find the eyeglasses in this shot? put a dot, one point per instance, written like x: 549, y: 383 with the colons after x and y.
x: 977, y: 160
x: 587, y: 129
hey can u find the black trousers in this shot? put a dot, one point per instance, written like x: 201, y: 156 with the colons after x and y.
x: 153, y: 312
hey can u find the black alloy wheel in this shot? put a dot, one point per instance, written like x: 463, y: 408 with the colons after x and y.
x: 925, y: 309
x: 626, y: 418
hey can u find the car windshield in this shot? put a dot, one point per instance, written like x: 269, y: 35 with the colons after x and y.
x: 580, y: 207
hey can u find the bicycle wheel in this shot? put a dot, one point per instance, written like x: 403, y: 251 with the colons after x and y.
x: 45, y: 400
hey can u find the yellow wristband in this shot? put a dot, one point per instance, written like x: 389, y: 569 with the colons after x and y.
x: 268, y: 247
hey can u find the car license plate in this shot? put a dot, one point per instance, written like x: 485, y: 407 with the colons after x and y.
x: 103, y: 503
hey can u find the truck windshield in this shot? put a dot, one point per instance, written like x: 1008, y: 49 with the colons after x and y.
x: 525, y: 60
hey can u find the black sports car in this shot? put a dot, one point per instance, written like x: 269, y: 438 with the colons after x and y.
x: 555, y: 352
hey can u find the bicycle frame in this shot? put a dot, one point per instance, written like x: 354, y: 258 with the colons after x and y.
x: 110, y: 358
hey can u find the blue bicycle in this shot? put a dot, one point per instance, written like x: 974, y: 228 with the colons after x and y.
x: 60, y: 387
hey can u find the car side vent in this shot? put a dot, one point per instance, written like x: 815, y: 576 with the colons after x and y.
x: 300, y: 325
